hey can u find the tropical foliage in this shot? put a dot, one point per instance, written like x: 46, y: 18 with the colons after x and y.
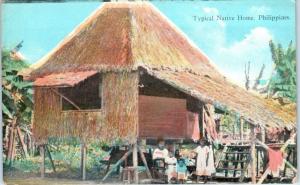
x: 16, y: 93
x: 16, y: 99
x: 283, y: 81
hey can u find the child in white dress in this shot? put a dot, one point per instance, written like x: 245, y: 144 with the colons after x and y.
x: 202, y: 164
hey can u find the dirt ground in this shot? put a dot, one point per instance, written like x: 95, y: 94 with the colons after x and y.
x: 56, y: 181
x: 46, y: 181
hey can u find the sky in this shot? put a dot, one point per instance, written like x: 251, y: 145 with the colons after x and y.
x: 230, y: 44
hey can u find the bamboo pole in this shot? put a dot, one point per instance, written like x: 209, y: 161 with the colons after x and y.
x: 145, y: 163
x: 263, y: 177
x: 42, y: 167
x: 50, y: 157
x: 117, y: 164
x: 284, y: 160
x: 242, y: 130
x: 135, y: 162
x: 64, y: 97
x: 83, y: 161
x: 253, y: 163
x: 263, y: 134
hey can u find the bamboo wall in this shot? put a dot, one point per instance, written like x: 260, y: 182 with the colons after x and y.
x: 116, y: 119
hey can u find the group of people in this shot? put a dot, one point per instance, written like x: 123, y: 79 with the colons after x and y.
x: 176, y: 165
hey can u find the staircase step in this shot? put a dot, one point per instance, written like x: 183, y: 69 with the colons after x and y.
x: 223, y: 177
x: 237, y: 161
x: 230, y: 169
x: 237, y: 152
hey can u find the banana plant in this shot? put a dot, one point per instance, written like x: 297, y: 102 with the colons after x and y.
x: 283, y: 81
x: 17, y: 103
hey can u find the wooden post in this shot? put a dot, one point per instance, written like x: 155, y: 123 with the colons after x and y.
x: 285, y: 161
x: 282, y: 150
x: 117, y: 164
x: 257, y: 162
x: 201, y: 122
x: 234, y: 127
x: 42, y: 167
x: 253, y: 162
x: 263, y: 134
x: 83, y: 161
x: 135, y: 162
x: 50, y: 157
x: 145, y: 163
x: 242, y: 130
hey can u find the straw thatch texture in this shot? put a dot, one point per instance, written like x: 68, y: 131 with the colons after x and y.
x: 120, y: 102
x: 224, y: 95
x: 68, y: 79
x: 46, y: 114
x: 122, y: 36
x: 116, y: 119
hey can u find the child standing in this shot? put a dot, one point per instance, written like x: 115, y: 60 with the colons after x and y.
x: 202, y: 166
x: 181, y: 170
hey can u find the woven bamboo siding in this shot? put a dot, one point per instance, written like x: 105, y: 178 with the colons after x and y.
x: 162, y: 117
x: 116, y: 119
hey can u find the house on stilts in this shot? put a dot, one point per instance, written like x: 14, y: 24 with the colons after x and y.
x: 127, y: 72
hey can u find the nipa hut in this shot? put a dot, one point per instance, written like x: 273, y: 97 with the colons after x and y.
x: 127, y: 72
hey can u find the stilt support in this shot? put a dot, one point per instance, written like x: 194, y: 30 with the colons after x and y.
x: 145, y: 163
x: 117, y: 164
x: 83, y: 161
x: 253, y: 157
x: 42, y: 167
x: 263, y: 177
x: 135, y: 162
x: 50, y: 158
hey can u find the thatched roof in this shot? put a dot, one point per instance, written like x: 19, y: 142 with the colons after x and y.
x: 68, y: 79
x: 121, y: 36
x: 227, y: 96
x: 126, y: 36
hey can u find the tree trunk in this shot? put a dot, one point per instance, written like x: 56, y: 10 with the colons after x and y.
x: 24, y: 147
x: 11, y: 141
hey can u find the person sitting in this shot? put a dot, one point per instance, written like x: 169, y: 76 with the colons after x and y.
x: 171, y: 162
x: 159, y: 156
x: 181, y: 170
x: 160, y: 152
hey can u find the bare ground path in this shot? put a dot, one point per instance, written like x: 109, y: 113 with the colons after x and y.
x: 47, y: 181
